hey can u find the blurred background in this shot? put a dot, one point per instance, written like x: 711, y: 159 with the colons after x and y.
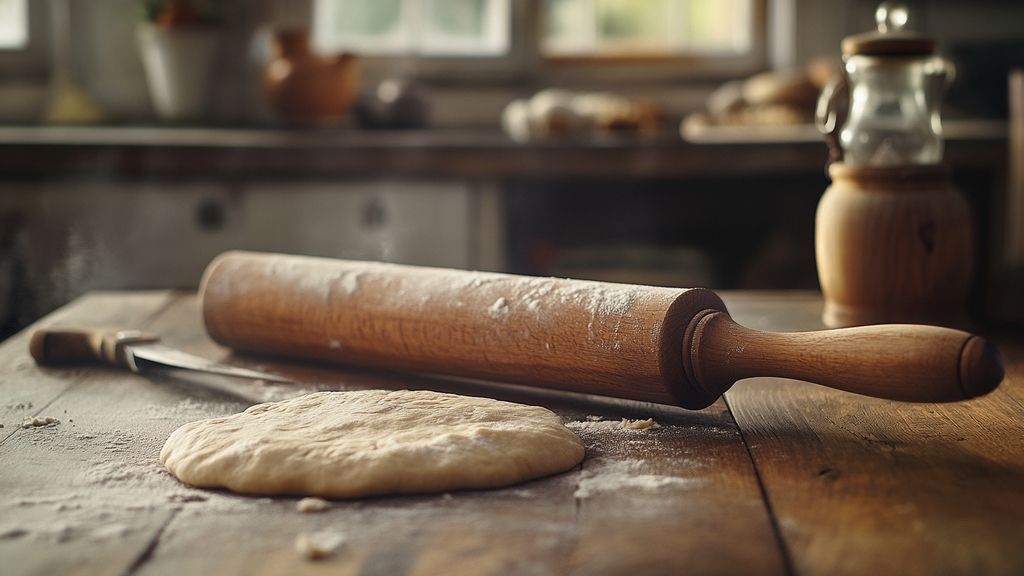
x: 665, y: 142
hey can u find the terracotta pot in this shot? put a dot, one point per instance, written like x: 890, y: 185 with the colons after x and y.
x: 308, y: 89
x: 894, y: 244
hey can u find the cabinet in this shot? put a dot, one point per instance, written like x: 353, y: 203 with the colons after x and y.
x: 62, y: 238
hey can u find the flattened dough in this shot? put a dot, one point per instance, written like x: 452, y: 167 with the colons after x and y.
x: 374, y: 442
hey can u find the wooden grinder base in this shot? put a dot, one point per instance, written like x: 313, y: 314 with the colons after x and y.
x: 893, y: 244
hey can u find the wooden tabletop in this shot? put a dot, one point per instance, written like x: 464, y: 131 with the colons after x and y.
x: 781, y: 477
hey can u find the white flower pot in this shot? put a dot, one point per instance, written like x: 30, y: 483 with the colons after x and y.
x: 179, y: 66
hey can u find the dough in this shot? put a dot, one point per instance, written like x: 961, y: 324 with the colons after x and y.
x: 373, y: 442
x: 318, y: 545
x: 311, y: 505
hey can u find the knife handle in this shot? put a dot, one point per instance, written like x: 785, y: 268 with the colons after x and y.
x: 912, y: 363
x: 61, y: 345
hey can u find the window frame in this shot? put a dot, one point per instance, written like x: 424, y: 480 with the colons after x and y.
x: 525, y: 61
x: 32, y: 61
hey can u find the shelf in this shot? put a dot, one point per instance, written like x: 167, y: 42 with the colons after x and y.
x: 160, y: 152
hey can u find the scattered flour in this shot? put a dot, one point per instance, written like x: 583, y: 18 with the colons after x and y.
x: 318, y: 545
x: 624, y: 425
x: 625, y: 476
x: 39, y: 422
x: 193, y: 408
x: 639, y: 424
x: 309, y: 505
x: 499, y: 309
x: 350, y: 282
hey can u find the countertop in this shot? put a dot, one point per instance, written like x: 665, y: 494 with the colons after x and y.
x: 780, y: 477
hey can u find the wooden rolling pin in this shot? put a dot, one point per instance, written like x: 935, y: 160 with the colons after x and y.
x: 664, y: 345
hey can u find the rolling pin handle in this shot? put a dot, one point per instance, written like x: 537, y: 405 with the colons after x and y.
x: 905, y: 362
x: 981, y: 367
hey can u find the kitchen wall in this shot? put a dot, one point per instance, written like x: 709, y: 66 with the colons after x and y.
x: 61, y: 238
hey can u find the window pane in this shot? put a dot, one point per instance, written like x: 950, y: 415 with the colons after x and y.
x: 629, y: 25
x: 648, y: 27
x: 719, y: 25
x: 569, y: 26
x: 361, y: 26
x: 465, y: 27
x: 367, y: 17
x: 13, y: 24
x: 431, y: 27
x: 463, y: 18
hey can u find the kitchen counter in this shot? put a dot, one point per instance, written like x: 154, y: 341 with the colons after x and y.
x: 164, y: 152
x: 780, y: 477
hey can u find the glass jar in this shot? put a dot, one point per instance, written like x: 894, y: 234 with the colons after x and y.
x: 896, y: 83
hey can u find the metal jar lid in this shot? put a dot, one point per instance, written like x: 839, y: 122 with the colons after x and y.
x: 890, y: 39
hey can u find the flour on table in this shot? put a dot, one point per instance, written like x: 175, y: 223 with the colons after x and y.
x: 372, y: 442
x: 318, y: 545
x: 626, y: 476
x: 638, y: 424
x: 624, y: 425
x: 309, y: 505
x: 39, y: 422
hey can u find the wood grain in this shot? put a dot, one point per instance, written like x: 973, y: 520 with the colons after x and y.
x: 612, y: 339
x: 26, y: 389
x: 893, y: 244
x: 862, y: 486
x: 537, y: 528
x: 540, y: 527
x: 52, y: 481
x: 856, y: 485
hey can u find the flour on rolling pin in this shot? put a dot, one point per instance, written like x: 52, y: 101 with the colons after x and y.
x: 478, y: 324
x: 445, y: 286
x: 598, y: 299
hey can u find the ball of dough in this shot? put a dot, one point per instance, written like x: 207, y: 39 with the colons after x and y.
x: 373, y: 442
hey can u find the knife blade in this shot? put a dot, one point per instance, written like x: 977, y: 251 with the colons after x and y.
x: 132, y: 349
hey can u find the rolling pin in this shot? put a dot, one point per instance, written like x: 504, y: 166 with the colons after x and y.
x: 663, y: 345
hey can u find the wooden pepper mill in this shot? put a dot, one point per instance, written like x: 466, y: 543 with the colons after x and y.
x: 893, y: 245
x: 893, y: 236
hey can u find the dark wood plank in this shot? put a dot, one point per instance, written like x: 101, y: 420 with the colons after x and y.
x: 679, y: 497
x: 25, y: 390
x: 71, y: 496
x: 865, y: 486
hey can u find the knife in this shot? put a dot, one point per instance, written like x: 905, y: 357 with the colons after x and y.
x: 133, y: 349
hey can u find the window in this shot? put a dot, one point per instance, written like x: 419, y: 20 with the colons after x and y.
x: 13, y: 24
x: 468, y: 28
x: 548, y: 39
x: 614, y: 28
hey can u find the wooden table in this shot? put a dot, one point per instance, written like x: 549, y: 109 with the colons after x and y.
x: 781, y: 477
